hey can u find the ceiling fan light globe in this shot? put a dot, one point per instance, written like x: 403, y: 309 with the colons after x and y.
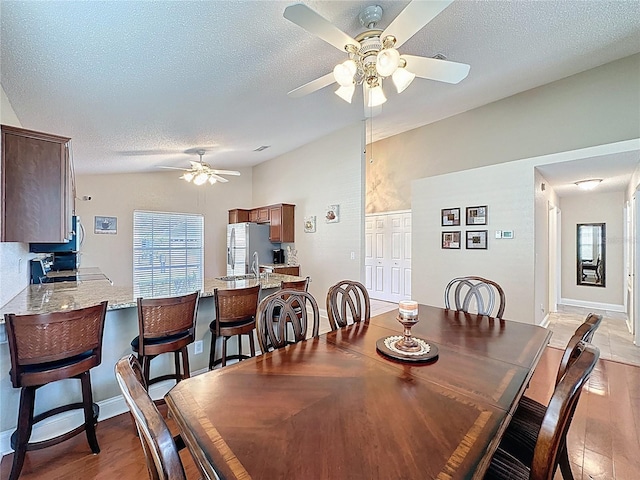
x: 344, y: 72
x: 346, y: 93
x: 212, y: 180
x: 375, y: 96
x: 402, y: 78
x: 201, y: 178
x: 187, y: 176
x: 387, y: 61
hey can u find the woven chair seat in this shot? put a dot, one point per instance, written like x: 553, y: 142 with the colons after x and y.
x: 505, y: 466
x: 520, y: 438
x: 65, y: 362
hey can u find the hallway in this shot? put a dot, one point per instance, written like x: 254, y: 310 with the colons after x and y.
x: 612, y: 337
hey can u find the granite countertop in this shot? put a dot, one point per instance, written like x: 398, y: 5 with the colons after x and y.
x: 56, y: 297
x: 277, y: 265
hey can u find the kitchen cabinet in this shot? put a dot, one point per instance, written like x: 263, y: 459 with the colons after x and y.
x: 36, y: 187
x: 239, y: 216
x: 260, y: 215
x: 281, y: 223
x: 282, y: 269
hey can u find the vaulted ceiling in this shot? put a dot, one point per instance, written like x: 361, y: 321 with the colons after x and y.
x: 139, y: 84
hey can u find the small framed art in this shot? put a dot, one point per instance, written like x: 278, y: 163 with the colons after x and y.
x: 477, y: 215
x: 107, y: 225
x: 332, y: 214
x: 451, y: 240
x: 450, y: 217
x: 477, y: 240
x: 310, y: 224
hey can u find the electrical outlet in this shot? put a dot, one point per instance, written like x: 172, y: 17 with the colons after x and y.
x: 353, y: 255
x: 197, y: 347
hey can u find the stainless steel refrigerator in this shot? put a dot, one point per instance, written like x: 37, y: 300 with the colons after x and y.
x: 243, y: 239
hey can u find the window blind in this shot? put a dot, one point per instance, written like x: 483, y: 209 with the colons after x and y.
x: 168, y: 253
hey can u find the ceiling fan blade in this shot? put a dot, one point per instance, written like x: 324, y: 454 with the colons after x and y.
x: 174, y: 168
x: 436, y: 69
x: 225, y: 172
x: 219, y: 178
x: 415, y: 16
x: 314, y: 23
x: 312, y: 86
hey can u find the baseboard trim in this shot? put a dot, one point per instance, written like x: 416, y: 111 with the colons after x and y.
x: 545, y: 321
x: 598, y: 306
x: 68, y: 420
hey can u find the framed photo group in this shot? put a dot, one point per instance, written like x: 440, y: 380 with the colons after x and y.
x: 475, y: 239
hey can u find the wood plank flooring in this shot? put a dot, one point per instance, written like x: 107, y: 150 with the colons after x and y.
x: 603, y: 441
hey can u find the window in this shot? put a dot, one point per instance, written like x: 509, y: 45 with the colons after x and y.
x: 167, y: 253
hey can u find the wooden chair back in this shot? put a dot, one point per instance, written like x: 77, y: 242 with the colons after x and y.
x: 560, y: 412
x: 281, y: 308
x: 51, y: 337
x: 236, y: 306
x: 160, y: 450
x: 346, y: 300
x: 164, y: 317
x: 302, y: 285
x: 584, y: 333
x: 467, y: 291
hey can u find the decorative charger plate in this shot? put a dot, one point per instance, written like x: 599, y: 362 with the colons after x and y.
x: 428, y: 351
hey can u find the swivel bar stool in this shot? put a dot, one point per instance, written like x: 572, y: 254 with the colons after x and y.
x: 45, y: 348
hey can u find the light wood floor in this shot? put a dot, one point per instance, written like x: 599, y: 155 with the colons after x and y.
x: 603, y: 441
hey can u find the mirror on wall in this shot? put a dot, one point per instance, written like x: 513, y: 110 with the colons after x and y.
x: 591, y: 254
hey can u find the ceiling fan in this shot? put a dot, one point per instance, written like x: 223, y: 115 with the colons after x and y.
x: 373, y: 55
x: 201, y: 172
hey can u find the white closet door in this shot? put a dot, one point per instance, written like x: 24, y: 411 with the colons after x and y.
x: 388, y: 256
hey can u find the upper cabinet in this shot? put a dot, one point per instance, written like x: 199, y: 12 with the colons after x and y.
x: 36, y: 187
x: 280, y: 218
x: 281, y: 223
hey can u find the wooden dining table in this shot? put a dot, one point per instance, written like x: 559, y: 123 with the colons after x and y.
x: 332, y: 407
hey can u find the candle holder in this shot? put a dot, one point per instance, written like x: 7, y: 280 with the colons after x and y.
x: 408, y: 317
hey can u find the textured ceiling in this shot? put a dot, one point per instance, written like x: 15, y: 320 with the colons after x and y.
x: 139, y: 84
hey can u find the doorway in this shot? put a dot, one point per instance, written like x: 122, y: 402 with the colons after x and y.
x: 388, y: 255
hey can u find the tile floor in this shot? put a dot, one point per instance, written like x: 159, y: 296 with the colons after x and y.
x: 612, y: 337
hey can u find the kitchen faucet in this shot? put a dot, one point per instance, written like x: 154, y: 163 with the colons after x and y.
x: 255, y: 265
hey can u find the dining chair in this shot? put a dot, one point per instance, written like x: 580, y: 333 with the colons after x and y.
x: 520, y: 438
x: 159, y: 446
x: 346, y: 300
x: 302, y: 285
x: 235, y: 316
x: 282, y: 308
x: 45, y: 348
x: 166, y: 325
x: 551, y: 437
x: 466, y: 291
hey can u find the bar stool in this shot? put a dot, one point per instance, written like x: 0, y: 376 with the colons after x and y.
x: 45, y: 348
x: 166, y: 325
x: 235, y: 316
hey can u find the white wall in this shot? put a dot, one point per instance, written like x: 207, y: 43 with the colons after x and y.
x: 594, y: 208
x: 326, y: 172
x: 119, y: 195
x: 14, y: 257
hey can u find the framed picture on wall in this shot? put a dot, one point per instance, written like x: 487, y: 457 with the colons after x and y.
x: 451, y: 240
x: 477, y: 240
x: 477, y: 215
x: 450, y: 217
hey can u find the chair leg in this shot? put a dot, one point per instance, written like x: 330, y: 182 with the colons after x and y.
x: 240, y: 348
x: 176, y: 365
x: 252, y: 345
x: 565, y: 465
x: 89, y: 423
x: 23, y: 432
x: 212, y: 351
x: 146, y: 368
x: 224, y: 351
x: 185, y: 363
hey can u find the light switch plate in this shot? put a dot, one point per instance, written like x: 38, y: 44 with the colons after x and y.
x: 498, y: 233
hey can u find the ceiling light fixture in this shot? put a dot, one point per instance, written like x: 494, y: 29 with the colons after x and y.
x: 588, y: 184
x: 201, y: 173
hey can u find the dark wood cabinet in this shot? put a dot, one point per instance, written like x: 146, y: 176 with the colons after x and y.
x: 239, y: 216
x: 281, y: 223
x: 36, y: 187
x: 260, y: 215
x: 288, y: 270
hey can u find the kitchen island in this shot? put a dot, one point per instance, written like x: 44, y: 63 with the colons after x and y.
x: 121, y: 326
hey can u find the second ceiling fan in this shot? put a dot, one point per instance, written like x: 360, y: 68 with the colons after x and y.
x: 373, y: 54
